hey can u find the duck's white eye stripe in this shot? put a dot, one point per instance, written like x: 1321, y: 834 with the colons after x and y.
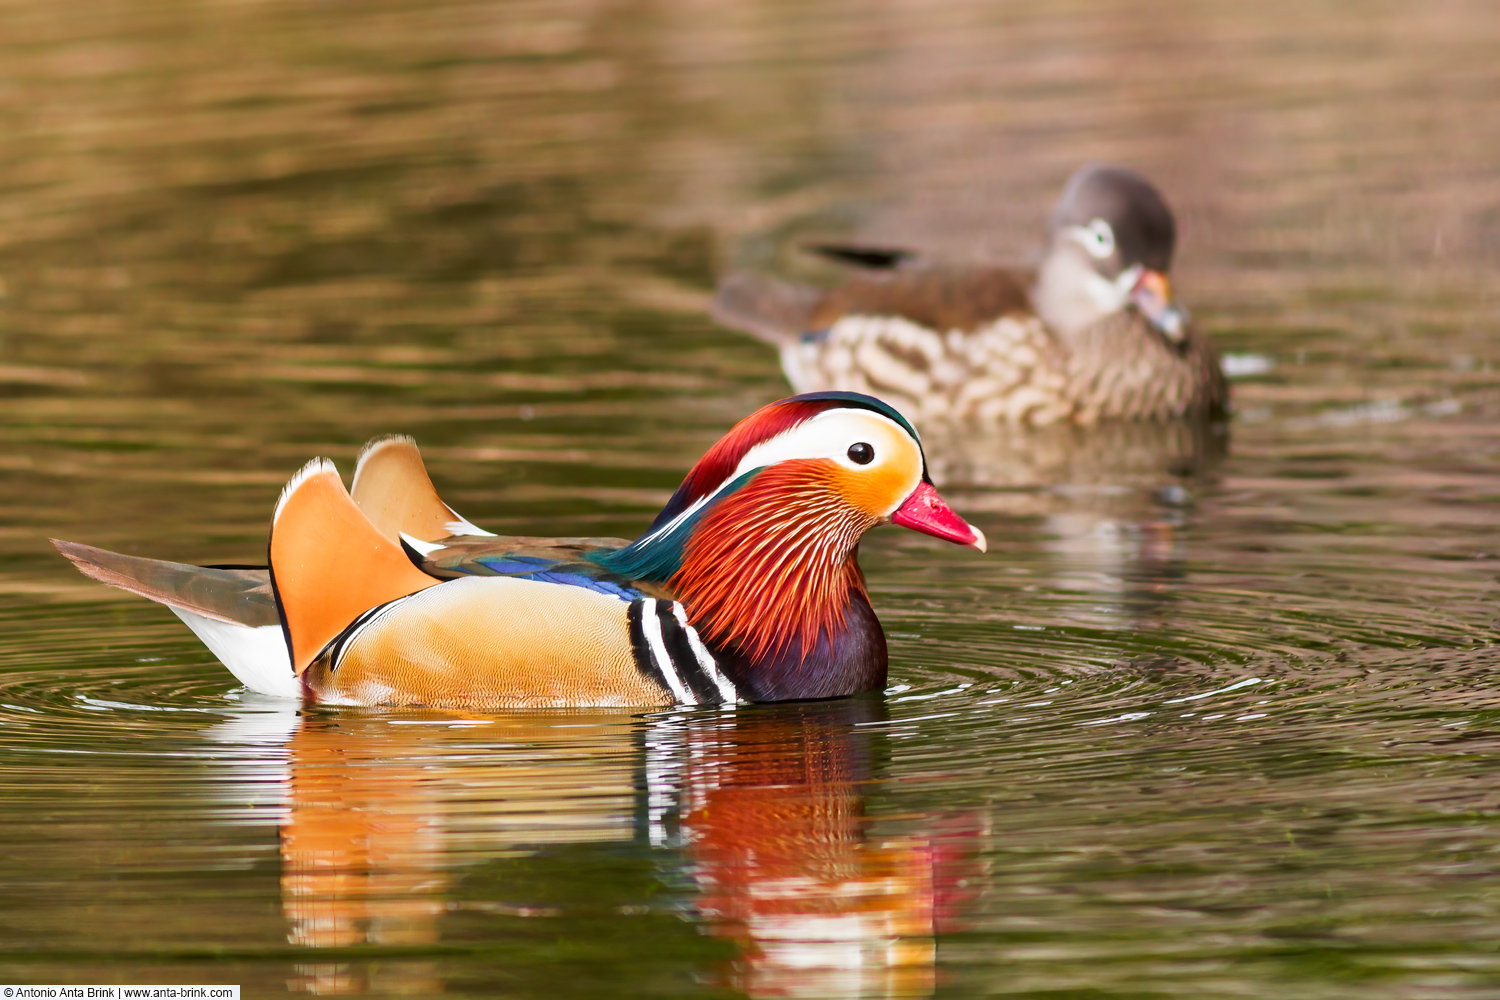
x: 1097, y: 238
x: 826, y: 435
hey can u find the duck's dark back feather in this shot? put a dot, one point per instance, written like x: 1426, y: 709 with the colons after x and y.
x: 567, y: 561
x: 868, y: 257
x: 779, y: 312
x: 939, y: 300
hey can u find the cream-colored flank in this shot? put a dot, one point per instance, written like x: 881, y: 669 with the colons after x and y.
x: 491, y: 642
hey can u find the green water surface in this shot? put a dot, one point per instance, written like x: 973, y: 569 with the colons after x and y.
x: 1217, y: 715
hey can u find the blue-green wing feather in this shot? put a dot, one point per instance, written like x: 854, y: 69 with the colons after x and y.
x: 565, y: 561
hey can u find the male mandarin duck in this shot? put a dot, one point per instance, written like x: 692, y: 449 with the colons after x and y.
x: 746, y: 587
x: 1093, y: 335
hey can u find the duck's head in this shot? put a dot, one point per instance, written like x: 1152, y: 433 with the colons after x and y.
x: 759, y: 541
x: 1111, y: 248
x: 833, y: 450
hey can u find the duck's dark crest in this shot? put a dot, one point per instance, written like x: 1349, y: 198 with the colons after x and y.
x: 1143, y: 226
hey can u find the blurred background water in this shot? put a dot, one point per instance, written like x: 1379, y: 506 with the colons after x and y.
x: 1217, y: 716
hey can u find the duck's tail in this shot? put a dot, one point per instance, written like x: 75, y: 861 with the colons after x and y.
x: 231, y: 609
x: 775, y: 311
x: 332, y: 559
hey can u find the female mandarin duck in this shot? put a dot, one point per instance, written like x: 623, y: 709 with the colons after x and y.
x: 745, y: 588
x: 1093, y: 335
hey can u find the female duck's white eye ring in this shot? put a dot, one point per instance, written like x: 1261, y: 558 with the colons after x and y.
x: 1097, y: 238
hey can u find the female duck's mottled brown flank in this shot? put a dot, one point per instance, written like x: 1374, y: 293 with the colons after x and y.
x: 1092, y: 335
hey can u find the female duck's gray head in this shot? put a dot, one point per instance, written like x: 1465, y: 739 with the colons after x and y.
x: 1111, y: 247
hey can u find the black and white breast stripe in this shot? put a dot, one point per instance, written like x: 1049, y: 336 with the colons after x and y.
x: 670, y: 652
x: 334, y: 651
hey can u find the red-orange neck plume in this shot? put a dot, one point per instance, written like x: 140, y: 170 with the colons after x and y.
x: 770, y: 577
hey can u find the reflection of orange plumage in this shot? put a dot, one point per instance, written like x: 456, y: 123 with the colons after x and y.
x: 785, y: 867
x: 357, y: 848
x: 770, y: 804
x: 368, y: 839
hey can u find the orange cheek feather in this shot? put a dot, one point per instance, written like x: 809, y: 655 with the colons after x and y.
x: 875, y: 492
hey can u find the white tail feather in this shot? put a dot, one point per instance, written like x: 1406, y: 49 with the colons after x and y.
x: 257, y: 656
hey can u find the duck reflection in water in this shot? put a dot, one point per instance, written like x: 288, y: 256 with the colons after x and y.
x: 396, y: 824
x: 1112, y: 502
x: 386, y: 812
x: 781, y: 852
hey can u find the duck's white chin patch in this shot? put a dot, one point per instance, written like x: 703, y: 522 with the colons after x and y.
x: 1111, y: 296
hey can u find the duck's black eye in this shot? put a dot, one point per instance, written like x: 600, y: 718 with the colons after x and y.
x: 861, y: 453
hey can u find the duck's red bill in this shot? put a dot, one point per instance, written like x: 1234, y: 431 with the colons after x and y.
x: 930, y: 514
